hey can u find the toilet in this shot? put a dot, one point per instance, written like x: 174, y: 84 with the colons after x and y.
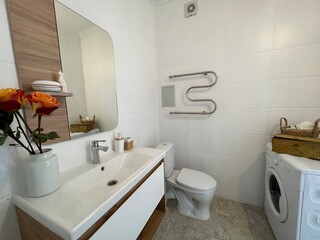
x: 193, y: 189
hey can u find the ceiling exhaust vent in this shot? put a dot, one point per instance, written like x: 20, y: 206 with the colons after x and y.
x: 190, y: 8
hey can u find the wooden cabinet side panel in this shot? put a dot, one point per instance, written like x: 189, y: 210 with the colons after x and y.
x: 31, y: 229
x: 35, y: 39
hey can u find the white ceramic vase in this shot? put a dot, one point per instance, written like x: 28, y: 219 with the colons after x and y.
x: 42, y: 172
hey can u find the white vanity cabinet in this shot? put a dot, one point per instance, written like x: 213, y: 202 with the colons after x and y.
x: 129, y: 220
x: 136, y: 215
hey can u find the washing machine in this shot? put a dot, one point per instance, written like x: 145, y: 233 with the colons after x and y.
x: 292, y: 196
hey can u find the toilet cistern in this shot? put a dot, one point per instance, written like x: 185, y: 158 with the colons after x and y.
x: 95, y: 150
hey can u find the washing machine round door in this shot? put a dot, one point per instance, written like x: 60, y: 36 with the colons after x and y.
x: 276, y: 195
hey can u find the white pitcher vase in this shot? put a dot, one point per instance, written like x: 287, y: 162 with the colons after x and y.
x: 42, y: 172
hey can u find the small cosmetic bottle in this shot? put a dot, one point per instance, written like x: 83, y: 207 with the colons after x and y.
x: 128, y: 143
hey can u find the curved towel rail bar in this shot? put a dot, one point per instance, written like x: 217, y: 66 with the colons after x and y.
x: 195, y: 87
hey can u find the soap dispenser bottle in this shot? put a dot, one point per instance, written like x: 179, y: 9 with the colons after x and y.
x: 119, y: 144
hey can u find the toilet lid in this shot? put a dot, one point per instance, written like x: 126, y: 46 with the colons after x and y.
x: 196, y: 180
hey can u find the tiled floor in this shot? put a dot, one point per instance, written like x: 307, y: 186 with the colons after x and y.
x: 229, y: 221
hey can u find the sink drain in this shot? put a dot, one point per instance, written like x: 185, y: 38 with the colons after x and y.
x: 112, y: 182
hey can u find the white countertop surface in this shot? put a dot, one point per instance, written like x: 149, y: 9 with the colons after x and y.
x: 69, y: 215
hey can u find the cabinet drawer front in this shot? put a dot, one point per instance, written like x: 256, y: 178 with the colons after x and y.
x: 128, y: 221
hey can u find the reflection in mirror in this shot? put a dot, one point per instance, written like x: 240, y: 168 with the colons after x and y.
x: 88, y: 67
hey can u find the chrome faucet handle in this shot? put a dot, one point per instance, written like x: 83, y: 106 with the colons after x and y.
x: 95, y: 143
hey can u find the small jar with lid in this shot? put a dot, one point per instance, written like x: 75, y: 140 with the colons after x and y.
x: 128, y: 143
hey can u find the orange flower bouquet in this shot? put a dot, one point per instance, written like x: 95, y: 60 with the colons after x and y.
x: 11, y: 101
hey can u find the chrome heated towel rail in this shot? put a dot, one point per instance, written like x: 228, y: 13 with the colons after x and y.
x: 196, y: 87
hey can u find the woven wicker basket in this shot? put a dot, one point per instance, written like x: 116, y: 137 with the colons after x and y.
x: 311, y: 133
x: 84, y: 126
x: 83, y: 120
x: 297, y: 146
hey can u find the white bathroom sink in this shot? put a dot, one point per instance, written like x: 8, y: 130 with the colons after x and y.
x: 93, y: 186
x: 84, y: 196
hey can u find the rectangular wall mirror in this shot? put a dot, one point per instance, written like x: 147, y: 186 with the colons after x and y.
x: 49, y: 37
x: 88, y: 65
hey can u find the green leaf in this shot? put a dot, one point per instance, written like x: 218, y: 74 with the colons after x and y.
x: 7, y: 129
x: 18, y: 135
x: 3, y: 138
x: 39, y: 138
x: 52, y: 135
x: 43, y: 137
x: 5, y: 120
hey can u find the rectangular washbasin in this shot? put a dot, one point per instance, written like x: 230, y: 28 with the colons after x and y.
x: 105, y: 178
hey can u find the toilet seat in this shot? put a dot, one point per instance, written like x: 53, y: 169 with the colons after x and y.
x: 192, y: 181
x: 196, y: 180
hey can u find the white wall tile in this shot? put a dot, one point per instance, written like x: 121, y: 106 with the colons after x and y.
x: 211, y: 42
x: 132, y: 71
x: 149, y: 79
x: 4, y: 18
x: 9, y: 76
x: 245, y: 95
x: 178, y: 138
x: 207, y: 163
x: 296, y: 62
x: 129, y: 99
x: 172, y: 122
x: 151, y: 140
x: 203, y: 142
x: 130, y: 125
x: 180, y: 157
x: 297, y: 29
x: 149, y: 123
x: 242, y: 191
x: 248, y: 39
x: 172, y: 55
x: 242, y: 169
x: 244, y: 121
x: 171, y: 34
x: 292, y: 7
x: 169, y: 10
x: 248, y: 68
x: 6, y: 48
x: 211, y: 123
x: 306, y: 89
x: 243, y: 145
x: 248, y: 11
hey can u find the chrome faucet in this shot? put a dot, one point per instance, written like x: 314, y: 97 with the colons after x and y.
x: 95, y: 150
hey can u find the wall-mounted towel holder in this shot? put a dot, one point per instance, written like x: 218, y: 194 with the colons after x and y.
x: 195, y: 87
